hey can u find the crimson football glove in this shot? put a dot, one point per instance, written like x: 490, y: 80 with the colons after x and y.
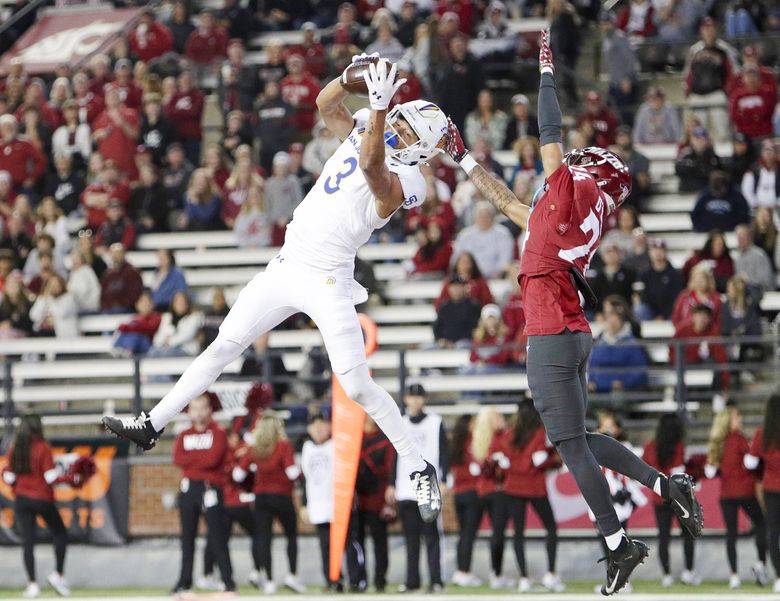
x: 80, y: 471
x: 545, y: 54
x: 455, y: 145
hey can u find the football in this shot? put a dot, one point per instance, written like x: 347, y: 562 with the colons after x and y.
x: 352, y: 77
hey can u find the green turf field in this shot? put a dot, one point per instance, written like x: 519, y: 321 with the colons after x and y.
x: 641, y: 587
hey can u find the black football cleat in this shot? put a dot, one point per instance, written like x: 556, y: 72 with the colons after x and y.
x: 426, y: 486
x: 683, y: 501
x: 620, y: 564
x: 138, y: 430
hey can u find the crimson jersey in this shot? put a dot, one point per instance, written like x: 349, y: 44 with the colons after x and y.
x: 564, y: 230
x: 771, y: 459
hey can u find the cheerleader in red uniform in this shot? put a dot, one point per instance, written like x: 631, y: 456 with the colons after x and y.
x: 524, y: 457
x: 488, y: 427
x: 238, y: 502
x: 765, y: 448
x: 31, y: 472
x: 726, y: 453
x: 666, y: 453
x: 464, y: 474
x: 272, y: 459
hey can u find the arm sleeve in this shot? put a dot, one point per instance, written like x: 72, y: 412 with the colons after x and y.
x: 549, y: 111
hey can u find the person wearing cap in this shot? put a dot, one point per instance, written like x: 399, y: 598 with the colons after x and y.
x: 149, y: 38
x: 130, y: 93
x: 489, y: 343
x: 456, y: 317
x: 24, y: 163
x: 317, y: 469
x: 116, y: 228
x: 283, y: 193
x: 300, y: 89
x: 619, y: 58
x: 73, y: 138
x: 761, y: 183
x: 720, y: 206
x: 428, y: 429
x: 743, y: 157
x: 752, y: 104
x: 662, y: 284
x: 96, y: 196
x: 695, y: 162
x: 156, y: 132
x: 708, y: 67
x: 657, y: 121
x: 208, y: 43
x: 702, y: 324
x: 521, y: 123
x: 601, y: 119
x: 185, y: 110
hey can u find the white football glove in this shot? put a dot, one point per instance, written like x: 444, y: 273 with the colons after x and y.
x: 359, y: 58
x: 381, y: 85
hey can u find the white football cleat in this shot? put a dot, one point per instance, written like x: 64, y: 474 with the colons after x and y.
x: 760, y: 574
x: 32, y: 591
x: 667, y: 580
x: 291, y: 582
x: 59, y: 584
x: 690, y: 578
x: 553, y: 583
x: 524, y: 586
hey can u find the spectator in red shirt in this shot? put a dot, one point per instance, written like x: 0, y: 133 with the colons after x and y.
x: 300, y: 90
x: 185, y: 110
x: 150, y: 38
x: 715, y: 253
x: 602, y: 120
x: 275, y: 472
x: 90, y: 104
x: 96, y: 196
x: 312, y: 51
x: 433, y: 256
x: 463, y: 9
x: 241, y: 180
x: 489, y: 351
x: 23, y: 162
x: 700, y: 291
x: 207, y: 43
x: 434, y: 207
x: 31, y: 473
x: 476, y: 285
x: 34, y: 96
x: 116, y: 228
x: 130, y: 93
x: 120, y: 285
x: 115, y: 133
x: 752, y: 104
x: 135, y: 336
x: 412, y: 89
x: 726, y: 453
x: 765, y: 447
x: 750, y: 56
x: 201, y: 451
x: 702, y: 324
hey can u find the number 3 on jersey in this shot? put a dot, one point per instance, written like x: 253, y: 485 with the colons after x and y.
x: 350, y: 164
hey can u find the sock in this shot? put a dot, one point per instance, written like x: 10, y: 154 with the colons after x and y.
x: 661, y: 486
x: 615, y: 540
x: 420, y: 464
x: 201, y: 374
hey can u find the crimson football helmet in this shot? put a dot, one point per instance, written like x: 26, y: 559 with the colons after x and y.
x: 609, y: 170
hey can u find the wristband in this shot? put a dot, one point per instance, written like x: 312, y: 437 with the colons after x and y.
x: 468, y: 163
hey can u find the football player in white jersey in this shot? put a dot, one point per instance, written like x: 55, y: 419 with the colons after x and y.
x: 371, y: 175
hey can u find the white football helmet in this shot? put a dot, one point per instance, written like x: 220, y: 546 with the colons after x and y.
x: 427, y: 121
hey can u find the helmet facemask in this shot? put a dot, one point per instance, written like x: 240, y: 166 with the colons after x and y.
x: 420, y: 151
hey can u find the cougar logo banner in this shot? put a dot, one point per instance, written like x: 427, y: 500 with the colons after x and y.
x: 95, y: 513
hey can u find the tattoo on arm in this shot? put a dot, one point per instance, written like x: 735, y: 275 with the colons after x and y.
x: 492, y: 189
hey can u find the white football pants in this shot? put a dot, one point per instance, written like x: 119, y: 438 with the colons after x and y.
x: 272, y: 296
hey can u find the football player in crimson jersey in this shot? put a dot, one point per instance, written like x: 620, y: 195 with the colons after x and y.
x: 562, y: 231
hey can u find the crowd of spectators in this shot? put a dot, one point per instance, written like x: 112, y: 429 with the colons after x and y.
x: 118, y: 145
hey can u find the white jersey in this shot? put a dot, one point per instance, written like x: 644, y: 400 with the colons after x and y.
x: 426, y: 436
x: 339, y: 213
x: 317, y: 468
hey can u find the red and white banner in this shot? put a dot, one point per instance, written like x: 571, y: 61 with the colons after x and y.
x: 67, y: 36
